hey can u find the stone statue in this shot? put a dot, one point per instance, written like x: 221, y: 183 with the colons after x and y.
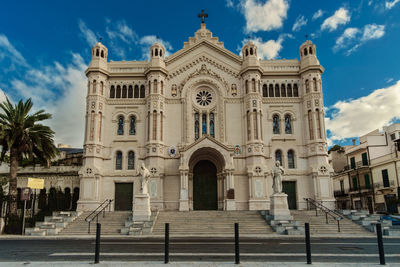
x: 144, y: 179
x: 277, y: 173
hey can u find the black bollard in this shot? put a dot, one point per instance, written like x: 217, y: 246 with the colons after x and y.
x: 166, y: 255
x: 308, y: 245
x: 237, y: 253
x: 97, y: 247
x: 380, y: 244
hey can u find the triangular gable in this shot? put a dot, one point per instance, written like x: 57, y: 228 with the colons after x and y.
x: 207, y: 138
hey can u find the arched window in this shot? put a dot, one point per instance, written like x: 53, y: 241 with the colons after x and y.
x: 142, y: 91
x: 112, y: 91
x: 149, y: 87
x: 247, y: 52
x: 288, y: 124
x: 311, y: 125
x: 160, y: 52
x: 283, y: 90
x: 251, y: 51
x: 265, y: 91
x: 130, y: 91
x: 161, y: 125
x: 154, y: 125
x: 255, y: 124
x: 92, y: 115
x: 118, y: 95
x: 295, y: 90
x: 315, y: 84
x: 305, y: 51
x: 289, y: 90
x: 156, y: 52
x: 319, y: 126
x: 94, y: 87
x: 203, y: 124
x: 253, y: 85
x: 307, y: 86
x: 101, y: 88
x: 120, y: 130
x: 278, y: 156
x: 136, y: 92
x: 99, y: 125
x: 132, y: 125
x: 97, y: 52
x: 310, y: 50
x: 212, y: 130
x: 161, y: 85
x: 275, y: 124
x: 196, y: 126
x: 102, y: 53
x: 271, y: 90
x: 248, y: 125
x: 118, y: 160
x: 155, y: 86
x: 124, y: 91
x: 277, y: 92
x: 246, y: 85
x: 131, y: 160
x: 290, y: 156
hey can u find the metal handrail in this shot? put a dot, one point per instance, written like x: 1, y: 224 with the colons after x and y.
x: 99, y: 209
x: 327, y: 211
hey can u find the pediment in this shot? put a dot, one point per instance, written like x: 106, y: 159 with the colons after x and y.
x: 207, y: 141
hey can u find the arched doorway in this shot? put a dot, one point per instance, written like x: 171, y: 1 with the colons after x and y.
x: 205, y: 188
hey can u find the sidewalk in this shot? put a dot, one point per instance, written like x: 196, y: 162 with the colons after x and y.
x: 185, y: 264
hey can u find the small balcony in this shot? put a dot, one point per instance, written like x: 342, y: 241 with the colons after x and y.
x: 340, y: 193
x: 382, y: 185
x: 359, y: 165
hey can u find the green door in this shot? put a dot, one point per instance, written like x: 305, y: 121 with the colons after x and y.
x: 205, y: 196
x: 289, y: 188
x: 123, y: 196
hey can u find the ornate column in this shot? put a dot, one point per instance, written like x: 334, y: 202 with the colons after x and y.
x: 184, y: 194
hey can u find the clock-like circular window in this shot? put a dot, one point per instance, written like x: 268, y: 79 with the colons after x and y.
x: 203, y: 98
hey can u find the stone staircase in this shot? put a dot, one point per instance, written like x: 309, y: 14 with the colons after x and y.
x: 52, y: 225
x: 111, y: 224
x: 319, y: 226
x: 210, y: 223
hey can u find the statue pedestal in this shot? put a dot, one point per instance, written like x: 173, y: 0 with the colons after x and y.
x: 279, y: 208
x: 141, y: 208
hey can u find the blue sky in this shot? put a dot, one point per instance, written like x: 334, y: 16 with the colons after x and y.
x: 45, y: 48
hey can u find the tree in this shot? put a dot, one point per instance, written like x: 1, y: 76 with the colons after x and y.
x: 336, y: 148
x: 23, y: 137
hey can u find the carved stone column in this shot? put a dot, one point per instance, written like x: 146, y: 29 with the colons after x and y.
x: 230, y: 202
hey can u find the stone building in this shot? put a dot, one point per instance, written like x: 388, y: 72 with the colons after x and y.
x: 208, y: 124
x: 370, y: 178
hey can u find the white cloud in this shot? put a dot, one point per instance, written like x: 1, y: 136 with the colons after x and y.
x: 87, y: 33
x: 391, y: 4
x: 269, y: 49
x: 147, y: 41
x: 3, y: 96
x: 341, y: 17
x: 299, y: 23
x: 318, y: 14
x: 264, y: 17
x: 229, y: 3
x: 357, y: 37
x: 61, y: 91
x: 121, y: 31
x: 356, y: 117
x: 373, y: 31
x: 348, y: 35
x: 8, y: 50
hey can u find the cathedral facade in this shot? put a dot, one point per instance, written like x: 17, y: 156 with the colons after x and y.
x: 208, y: 124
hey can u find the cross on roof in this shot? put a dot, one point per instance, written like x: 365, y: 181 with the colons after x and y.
x: 202, y: 15
x: 306, y: 36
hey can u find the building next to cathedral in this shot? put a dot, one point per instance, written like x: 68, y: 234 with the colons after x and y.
x: 208, y: 124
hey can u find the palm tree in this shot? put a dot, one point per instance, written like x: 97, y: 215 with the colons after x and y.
x: 23, y: 137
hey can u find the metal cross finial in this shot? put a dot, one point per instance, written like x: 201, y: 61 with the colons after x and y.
x: 306, y: 36
x: 202, y: 16
x: 101, y: 39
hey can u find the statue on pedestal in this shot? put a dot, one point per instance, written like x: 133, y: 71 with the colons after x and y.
x: 277, y: 173
x: 144, y: 179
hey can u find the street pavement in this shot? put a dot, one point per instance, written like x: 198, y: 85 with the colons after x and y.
x: 355, y: 251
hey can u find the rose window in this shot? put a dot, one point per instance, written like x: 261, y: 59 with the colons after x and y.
x: 203, y: 98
